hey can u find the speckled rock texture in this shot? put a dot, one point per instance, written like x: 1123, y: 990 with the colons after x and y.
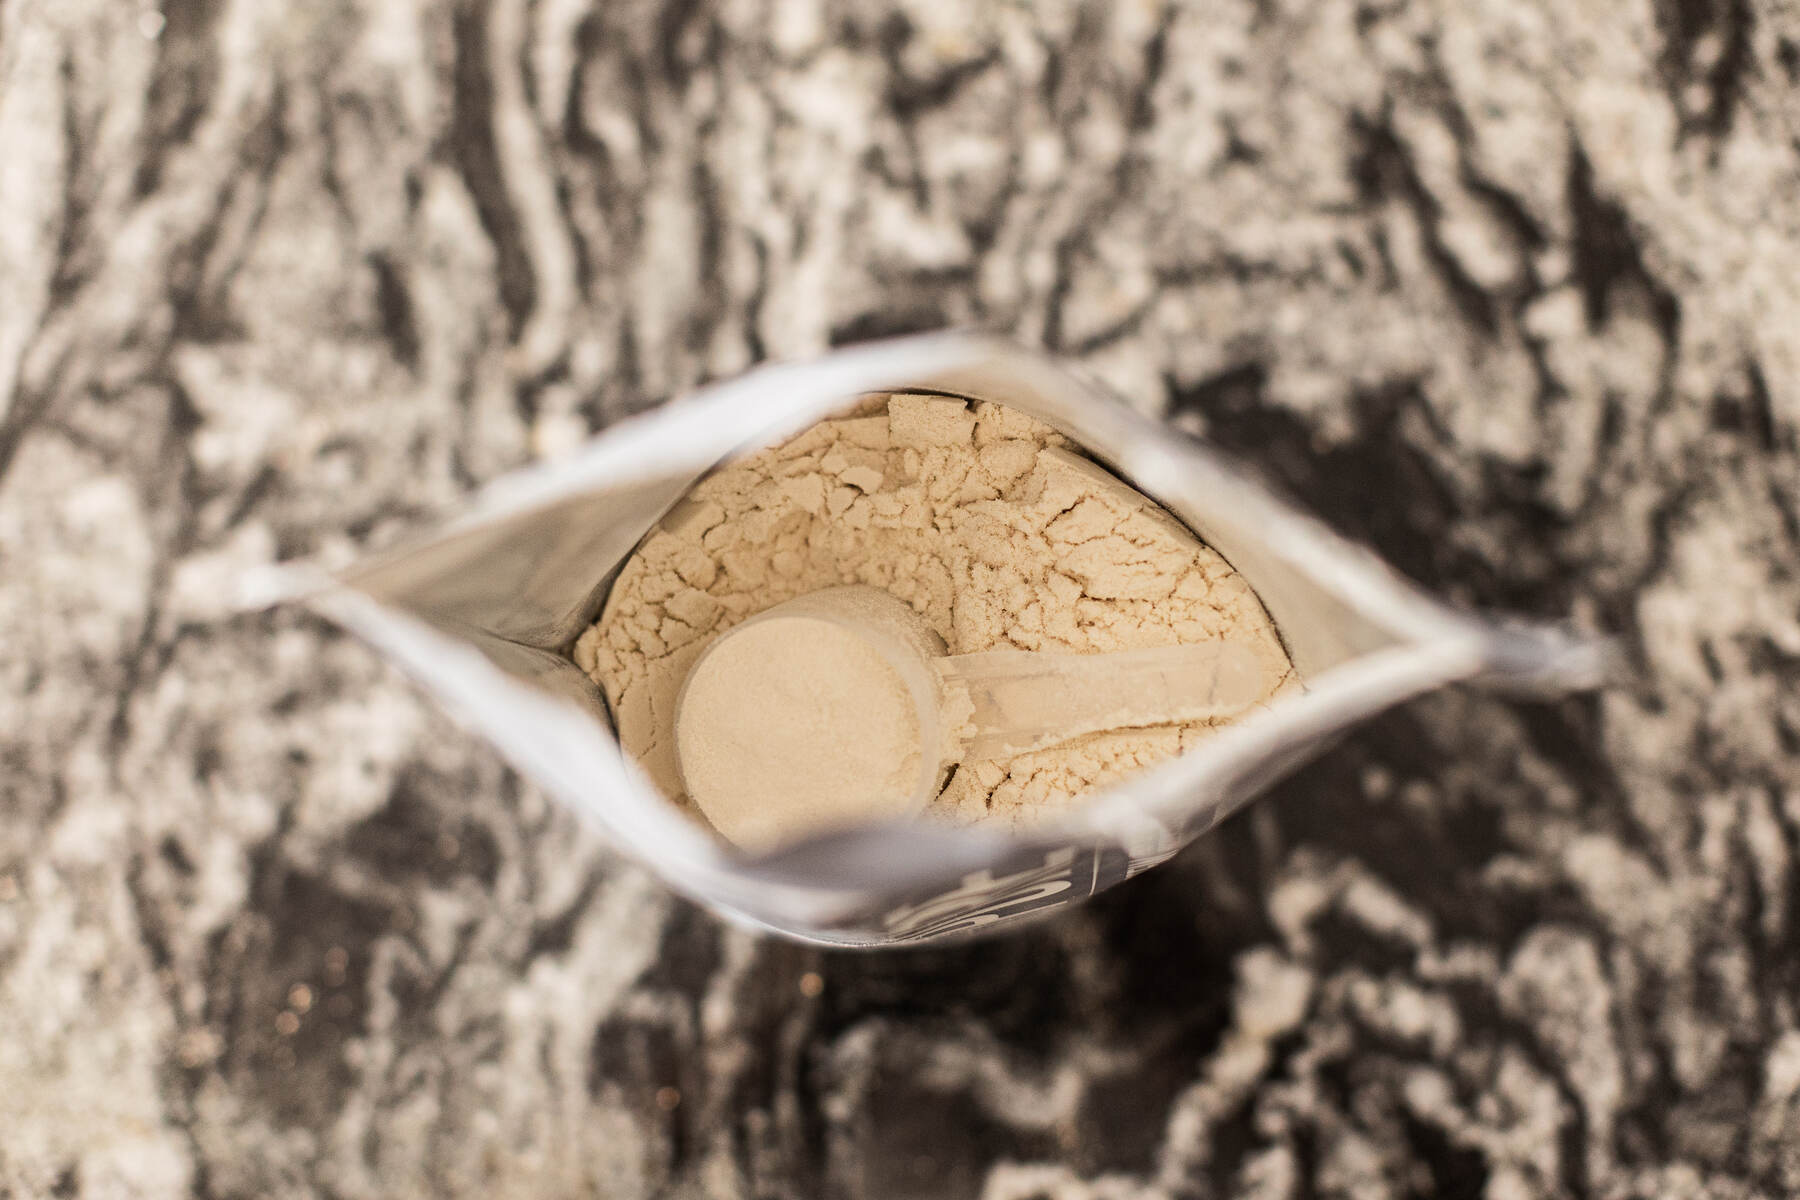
x: 1508, y: 289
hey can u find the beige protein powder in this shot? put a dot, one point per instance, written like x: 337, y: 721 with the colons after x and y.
x: 756, y: 710
x: 984, y: 520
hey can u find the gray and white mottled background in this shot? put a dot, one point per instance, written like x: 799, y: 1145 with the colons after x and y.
x: 1509, y: 289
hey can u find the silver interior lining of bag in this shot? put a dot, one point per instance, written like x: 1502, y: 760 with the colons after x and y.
x: 527, y: 568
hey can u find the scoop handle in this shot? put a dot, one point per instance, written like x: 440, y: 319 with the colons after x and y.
x: 1024, y: 700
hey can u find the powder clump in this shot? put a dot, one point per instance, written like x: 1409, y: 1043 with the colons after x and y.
x: 988, y: 523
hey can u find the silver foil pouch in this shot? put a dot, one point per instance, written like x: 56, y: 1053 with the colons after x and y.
x: 483, y: 615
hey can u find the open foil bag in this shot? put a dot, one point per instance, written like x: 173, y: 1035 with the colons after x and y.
x: 483, y: 615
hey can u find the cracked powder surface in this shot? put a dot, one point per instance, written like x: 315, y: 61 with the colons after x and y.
x: 983, y: 519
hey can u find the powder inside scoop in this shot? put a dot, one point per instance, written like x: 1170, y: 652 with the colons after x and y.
x: 795, y: 725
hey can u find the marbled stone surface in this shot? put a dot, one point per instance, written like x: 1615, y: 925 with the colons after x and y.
x: 1509, y: 289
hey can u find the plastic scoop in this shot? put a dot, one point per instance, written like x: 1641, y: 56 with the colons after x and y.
x: 842, y: 707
